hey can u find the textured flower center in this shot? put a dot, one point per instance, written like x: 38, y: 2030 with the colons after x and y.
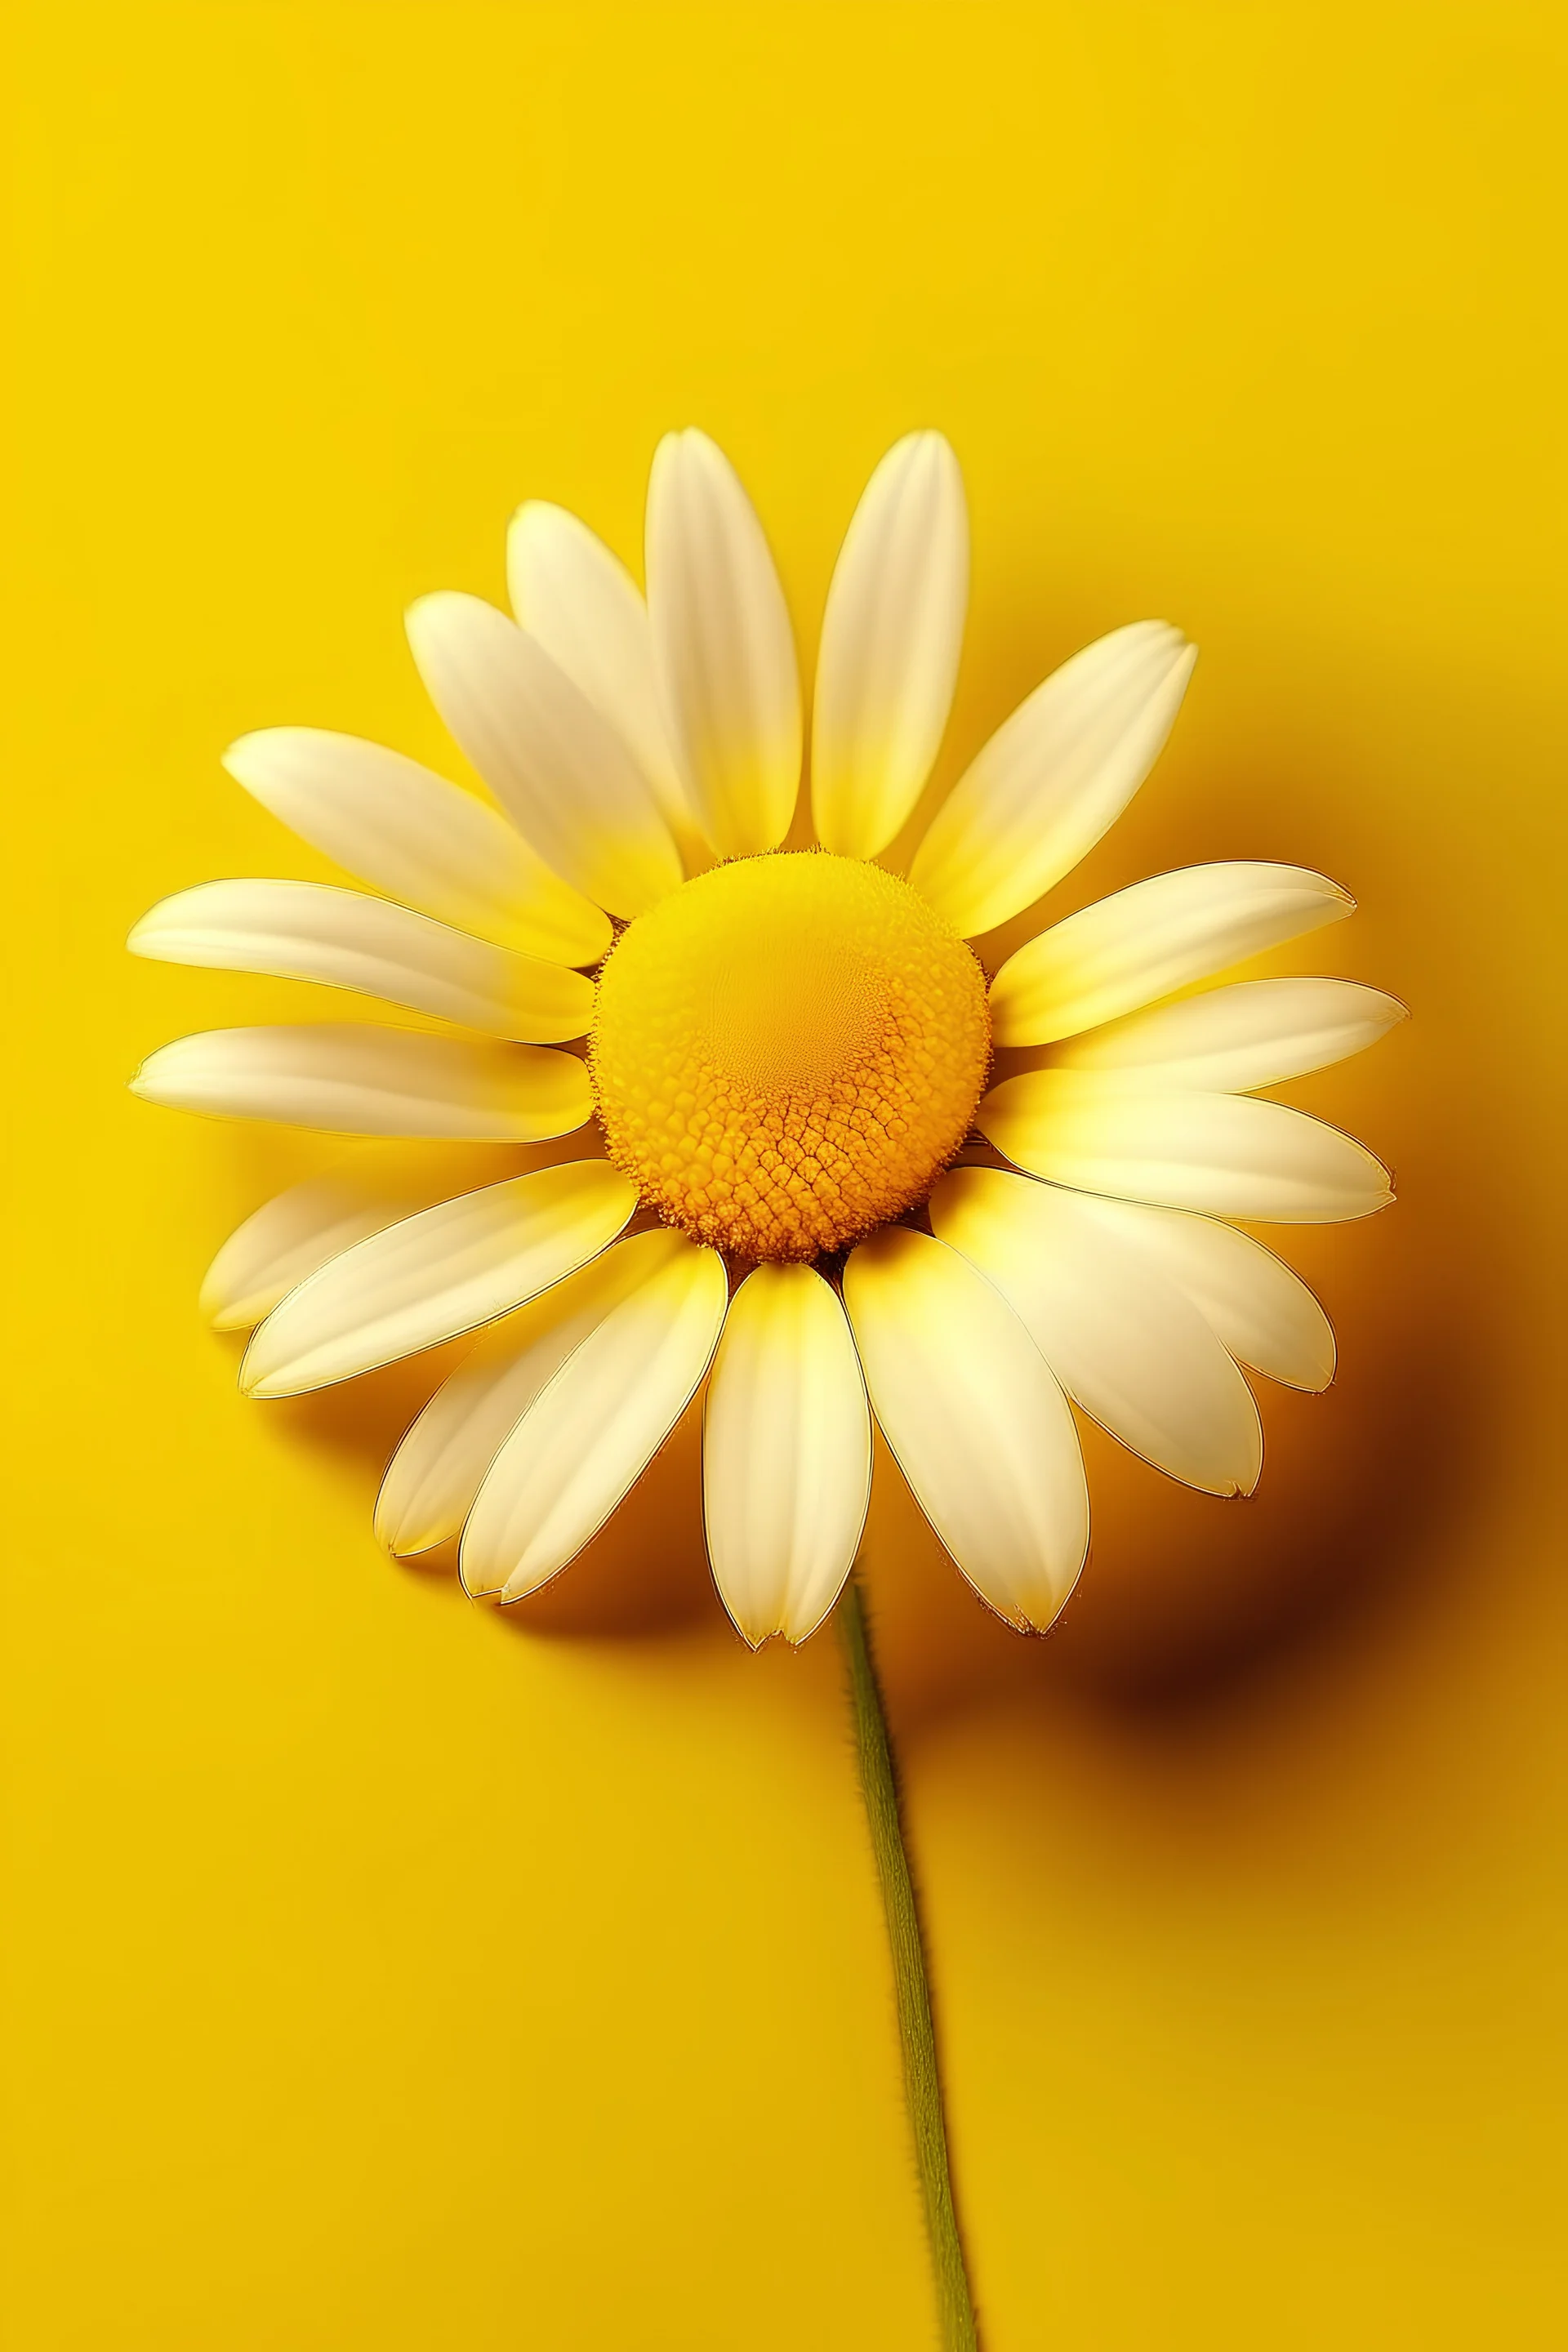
x: 787, y: 1050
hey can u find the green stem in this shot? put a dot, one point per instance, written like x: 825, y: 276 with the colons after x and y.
x: 917, y: 2034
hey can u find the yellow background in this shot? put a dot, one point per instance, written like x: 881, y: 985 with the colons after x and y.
x: 385, y: 1973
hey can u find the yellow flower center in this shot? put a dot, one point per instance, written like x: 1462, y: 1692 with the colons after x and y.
x: 787, y: 1052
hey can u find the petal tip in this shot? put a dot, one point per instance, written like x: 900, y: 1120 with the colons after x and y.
x: 425, y: 621
x: 417, y: 616
x: 402, y: 1543
x: 1033, y: 1629
x: 931, y: 441
x: 222, y: 1314
x: 235, y: 758
x: 473, y: 1578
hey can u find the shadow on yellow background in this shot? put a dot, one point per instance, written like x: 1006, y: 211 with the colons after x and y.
x: 387, y: 1970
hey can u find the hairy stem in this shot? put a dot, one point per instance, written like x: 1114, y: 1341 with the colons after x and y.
x: 917, y: 2034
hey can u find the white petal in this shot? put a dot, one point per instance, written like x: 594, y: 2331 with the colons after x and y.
x: 1150, y: 941
x: 1228, y: 1154
x: 1256, y: 1033
x: 300, y: 931
x: 975, y: 1419
x: 420, y: 838
x: 435, y: 1274
x: 562, y: 772
x: 786, y: 1455
x: 437, y: 1470
x: 287, y: 1239
x: 1054, y: 777
x: 729, y: 687
x: 586, y: 611
x: 352, y: 1079
x: 890, y: 640
x: 1125, y: 1343
x: 594, y: 1429
x: 1262, y: 1312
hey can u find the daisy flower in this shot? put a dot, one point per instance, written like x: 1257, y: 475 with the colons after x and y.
x: 827, y: 1166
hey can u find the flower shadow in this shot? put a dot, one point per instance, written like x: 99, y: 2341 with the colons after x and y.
x: 1186, y: 1602
x: 1189, y: 1605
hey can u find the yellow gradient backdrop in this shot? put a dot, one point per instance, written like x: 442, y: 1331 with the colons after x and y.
x: 385, y: 1973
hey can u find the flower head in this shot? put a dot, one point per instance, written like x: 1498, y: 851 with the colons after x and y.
x: 797, y: 1183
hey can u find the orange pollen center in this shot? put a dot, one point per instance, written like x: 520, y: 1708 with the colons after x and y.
x: 787, y: 1052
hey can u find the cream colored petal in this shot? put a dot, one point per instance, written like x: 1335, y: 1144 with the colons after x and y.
x: 975, y: 1419
x: 725, y: 661
x: 1227, y: 1154
x: 300, y: 931
x: 441, y: 1272
x: 562, y: 772
x: 786, y: 1455
x: 418, y: 837
x: 592, y: 1431
x: 1148, y: 941
x: 1256, y: 1033
x: 587, y: 611
x: 1126, y: 1343
x: 891, y: 635
x: 352, y: 1079
x: 437, y: 1470
x: 287, y: 1239
x: 1262, y: 1312
x: 1054, y: 777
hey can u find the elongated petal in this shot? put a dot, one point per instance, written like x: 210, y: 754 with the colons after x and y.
x: 728, y: 687
x: 976, y: 1418
x: 586, y: 611
x: 418, y: 837
x: 287, y: 1239
x: 786, y: 1455
x: 1054, y: 777
x: 1227, y: 1154
x: 563, y: 773
x: 891, y: 635
x: 438, y: 1274
x: 300, y: 931
x: 1262, y: 1312
x: 352, y: 1079
x: 433, y: 1477
x: 1255, y: 1035
x: 594, y: 1429
x: 1148, y: 941
x: 1126, y: 1343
